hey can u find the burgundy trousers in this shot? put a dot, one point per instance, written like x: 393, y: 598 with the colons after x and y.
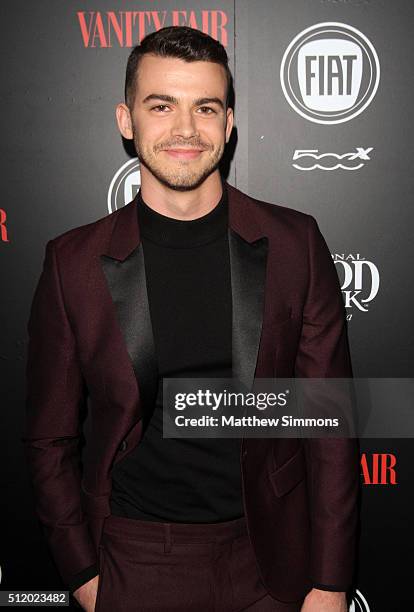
x: 174, y: 567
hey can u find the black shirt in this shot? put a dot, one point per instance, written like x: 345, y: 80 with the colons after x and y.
x: 188, y: 281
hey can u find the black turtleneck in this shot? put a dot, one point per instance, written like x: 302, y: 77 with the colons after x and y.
x: 188, y: 281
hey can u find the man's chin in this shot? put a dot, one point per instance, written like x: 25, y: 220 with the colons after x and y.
x: 183, y: 183
x: 187, y: 186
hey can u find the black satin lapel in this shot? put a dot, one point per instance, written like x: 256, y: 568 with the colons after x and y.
x: 248, y: 274
x: 127, y: 284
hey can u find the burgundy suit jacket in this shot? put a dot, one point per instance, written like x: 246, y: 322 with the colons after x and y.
x: 90, y: 338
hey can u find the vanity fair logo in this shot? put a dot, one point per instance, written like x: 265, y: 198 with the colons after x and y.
x: 330, y: 73
x: 124, y: 185
x: 4, y: 237
x: 106, y: 29
x: 359, y: 603
x: 379, y: 468
x: 359, y: 279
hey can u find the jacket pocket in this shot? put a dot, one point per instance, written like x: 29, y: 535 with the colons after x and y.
x: 287, y: 476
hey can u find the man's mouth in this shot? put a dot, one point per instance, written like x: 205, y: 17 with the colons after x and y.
x: 178, y: 153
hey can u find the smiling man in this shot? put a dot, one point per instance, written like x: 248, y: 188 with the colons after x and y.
x: 191, y: 279
x: 177, y: 115
x: 167, y: 129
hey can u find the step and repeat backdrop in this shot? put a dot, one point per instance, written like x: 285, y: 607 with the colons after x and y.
x: 324, y: 124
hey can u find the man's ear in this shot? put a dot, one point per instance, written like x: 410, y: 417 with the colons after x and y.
x: 229, y: 123
x: 123, y: 117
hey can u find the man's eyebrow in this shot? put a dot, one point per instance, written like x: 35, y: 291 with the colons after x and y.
x: 201, y: 101
x: 163, y: 97
x: 173, y: 100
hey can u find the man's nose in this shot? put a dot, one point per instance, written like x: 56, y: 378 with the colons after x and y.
x: 185, y: 124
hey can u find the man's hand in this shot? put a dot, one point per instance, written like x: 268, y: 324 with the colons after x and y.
x: 85, y: 595
x: 324, y: 601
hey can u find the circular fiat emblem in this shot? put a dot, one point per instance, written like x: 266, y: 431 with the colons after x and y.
x: 124, y: 185
x: 330, y: 73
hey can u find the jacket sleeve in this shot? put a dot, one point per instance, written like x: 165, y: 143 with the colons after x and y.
x: 55, y: 393
x: 83, y: 577
x: 332, y: 463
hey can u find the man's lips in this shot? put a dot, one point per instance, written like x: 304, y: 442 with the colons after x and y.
x: 184, y: 153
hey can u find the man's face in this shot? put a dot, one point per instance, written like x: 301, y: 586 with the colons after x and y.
x: 179, y: 121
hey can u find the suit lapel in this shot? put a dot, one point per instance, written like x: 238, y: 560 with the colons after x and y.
x: 248, y: 246
x: 248, y: 271
x: 127, y: 284
x: 124, y: 268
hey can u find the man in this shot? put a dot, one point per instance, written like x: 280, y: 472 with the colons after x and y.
x: 229, y: 286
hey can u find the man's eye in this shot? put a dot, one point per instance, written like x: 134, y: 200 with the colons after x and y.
x: 159, y: 108
x: 207, y: 110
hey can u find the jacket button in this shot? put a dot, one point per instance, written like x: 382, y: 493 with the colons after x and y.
x: 123, y: 445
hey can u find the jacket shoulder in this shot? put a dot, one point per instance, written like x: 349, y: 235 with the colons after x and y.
x: 88, y: 238
x: 269, y: 214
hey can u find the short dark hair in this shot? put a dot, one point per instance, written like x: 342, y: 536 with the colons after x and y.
x: 182, y: 42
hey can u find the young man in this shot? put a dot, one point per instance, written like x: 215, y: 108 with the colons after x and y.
x: 192, y: 278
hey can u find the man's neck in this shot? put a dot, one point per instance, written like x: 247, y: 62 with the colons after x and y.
x: 185, y: 205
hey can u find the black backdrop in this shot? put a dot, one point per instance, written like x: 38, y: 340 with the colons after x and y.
x: 64, y: 71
